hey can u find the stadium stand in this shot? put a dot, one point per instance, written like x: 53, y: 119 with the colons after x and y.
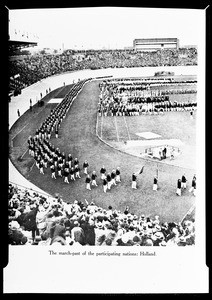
x: 33, y: 68
x: 35, y: 219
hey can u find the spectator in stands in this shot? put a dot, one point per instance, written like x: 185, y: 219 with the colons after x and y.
x: 33, y: 68
x: 38, y: 220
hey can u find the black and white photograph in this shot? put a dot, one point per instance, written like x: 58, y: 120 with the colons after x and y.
x: 106, y: 150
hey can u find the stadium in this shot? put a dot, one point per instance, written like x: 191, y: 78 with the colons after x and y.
x: 116, y: 110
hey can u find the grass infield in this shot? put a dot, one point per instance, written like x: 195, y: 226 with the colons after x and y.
x: 77, y: 136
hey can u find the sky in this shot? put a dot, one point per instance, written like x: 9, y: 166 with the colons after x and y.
x: 109, y: 27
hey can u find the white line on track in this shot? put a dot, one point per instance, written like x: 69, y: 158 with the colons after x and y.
x: 101, y: 126
x: 19, y: 132
x: 32, y: 167
x: 116, y: 129
x: 97, y: 124
x: 24, y: 153
x: 127, y: 128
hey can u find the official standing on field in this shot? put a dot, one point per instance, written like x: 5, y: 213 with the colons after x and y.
x: 118, y: 175
x: 134, y: 182
x: 179, y: 185
x: 155, y: 184
x: 183, y: 180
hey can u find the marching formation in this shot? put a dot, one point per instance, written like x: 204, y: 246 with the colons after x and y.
x: 134, y: 98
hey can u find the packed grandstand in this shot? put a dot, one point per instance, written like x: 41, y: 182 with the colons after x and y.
x: 35, y: 219
x: 32, y: 68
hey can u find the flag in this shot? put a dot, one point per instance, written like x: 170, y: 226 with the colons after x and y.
x: 141, y: 171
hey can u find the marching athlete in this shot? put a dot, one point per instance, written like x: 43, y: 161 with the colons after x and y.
x: 104, y: 185
x: 103, y: 172
x: 76, y: 162
x: 52, y: 167
x: 59, y: 170
x: 41, y: 167
x: 108, y: 181
x: 93, y: 178
x: 69, y: 159
x: 66, y: 173
x: 118, y: 175
x: 88, y: 182
x: 72, y: 173
x: 77, y: 174
x: 113, y: 176
x: 85, y: 167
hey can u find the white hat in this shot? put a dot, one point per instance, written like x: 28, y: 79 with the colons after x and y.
x: 14, y: 225
x: 175, y: 231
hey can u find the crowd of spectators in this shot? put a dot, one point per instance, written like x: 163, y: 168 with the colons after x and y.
x: 33, y: 68
x: 36, y: 219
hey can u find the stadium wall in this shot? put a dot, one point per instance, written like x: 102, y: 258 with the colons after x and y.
x: 32, y: 92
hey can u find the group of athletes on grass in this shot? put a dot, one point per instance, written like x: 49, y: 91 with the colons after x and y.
x: 134, y: 100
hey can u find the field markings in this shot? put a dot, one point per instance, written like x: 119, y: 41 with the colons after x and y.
x: 32, y: 167
x: 19, y: 131
x: 97, y: 124
x: 127, y: 128
x: 101, y: 126
x: 116, y: 129
x: 24, y: 153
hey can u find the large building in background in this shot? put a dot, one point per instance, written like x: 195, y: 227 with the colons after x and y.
x: 154, y: 44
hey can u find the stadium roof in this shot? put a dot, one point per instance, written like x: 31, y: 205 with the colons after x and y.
x: 15, y: 45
